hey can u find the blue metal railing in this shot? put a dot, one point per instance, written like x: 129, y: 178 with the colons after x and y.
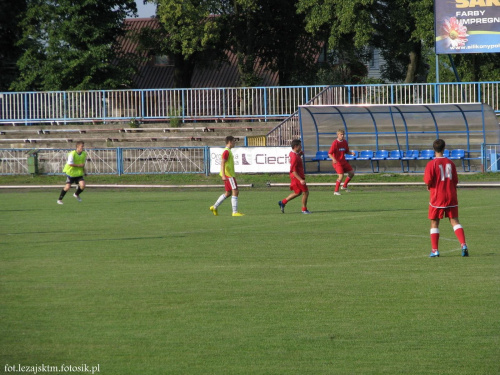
x: 117, y: 161
x: 250, y: 103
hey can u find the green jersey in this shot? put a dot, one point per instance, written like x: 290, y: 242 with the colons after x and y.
x: 227, y: 155
x: 75, y: 158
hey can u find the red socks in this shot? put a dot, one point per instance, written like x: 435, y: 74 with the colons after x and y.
x: 435, y: 238
x: 346, y: 182
x: 459, y: 232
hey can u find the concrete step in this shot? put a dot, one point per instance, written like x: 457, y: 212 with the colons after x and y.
x: 109, y: 135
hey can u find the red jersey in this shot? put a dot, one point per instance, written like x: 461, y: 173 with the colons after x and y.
x: 441, y: 178
x: 339, y: 149
x: 296, y: 165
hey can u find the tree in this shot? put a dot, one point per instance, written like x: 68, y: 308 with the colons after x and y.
x: 271, y: 33
x: 245, y: 26
x: 287, y: 48
x: 346, y: 27
x: 191, y: 32
x: 10, y: 33
x: 339, y: 18
x: 73, y: 45
x: 401, y: 43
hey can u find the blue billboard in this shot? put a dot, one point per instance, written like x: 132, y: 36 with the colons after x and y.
x: 467, y: 26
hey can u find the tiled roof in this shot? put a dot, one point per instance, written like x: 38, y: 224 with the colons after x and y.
x: 153, y: 76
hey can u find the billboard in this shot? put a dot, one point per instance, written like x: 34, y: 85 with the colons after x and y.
x: 467, y: 26
x: 254, y: 159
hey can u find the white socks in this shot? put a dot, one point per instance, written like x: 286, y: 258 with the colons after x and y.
x: 234, y: 203
x: 220, y: 200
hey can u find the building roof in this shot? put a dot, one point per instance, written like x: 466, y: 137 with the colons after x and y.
x: 153, y: 76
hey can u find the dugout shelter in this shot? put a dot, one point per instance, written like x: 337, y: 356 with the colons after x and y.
x: 403, y: 130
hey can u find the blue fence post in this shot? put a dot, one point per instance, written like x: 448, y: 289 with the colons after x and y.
x: 65, y: 116
x: 119, y: 161
x: 265, y: 104
x: 142, y: 104
x: 103, y: 113
x: 183, y: 106
x: 224, y: 103
x: 26, y: 109
x: 207, y: 160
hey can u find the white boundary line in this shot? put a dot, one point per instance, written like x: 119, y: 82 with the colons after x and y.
x: 113, y: 186
x: 269, y: 184
x: 479, y: 184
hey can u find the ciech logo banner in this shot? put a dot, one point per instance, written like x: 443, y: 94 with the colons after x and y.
x: 467, y: 26
x: 254, y: 159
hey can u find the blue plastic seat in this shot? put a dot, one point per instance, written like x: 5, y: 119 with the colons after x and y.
x: 395, y: 155
x: 457, y: 154
x: 407, y: 156
x: 426, y: 155
x: 365, y: 155
x: 379, y: 155
x: 321, y: 155
x: 410, y: 155
x: 351, y: 157
x: 446, y: 153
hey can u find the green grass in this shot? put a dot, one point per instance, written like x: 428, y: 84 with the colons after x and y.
x: 149, y: 282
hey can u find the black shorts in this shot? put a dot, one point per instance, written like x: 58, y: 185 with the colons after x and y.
x: 74, y: 180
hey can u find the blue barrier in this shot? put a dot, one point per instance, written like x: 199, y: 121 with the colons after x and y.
x: 118, y: 161
x: 248, y: 103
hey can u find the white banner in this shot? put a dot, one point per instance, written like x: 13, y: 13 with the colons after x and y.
x: 254, y: 159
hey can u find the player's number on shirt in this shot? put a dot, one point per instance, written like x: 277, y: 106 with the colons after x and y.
x: 445, y: 172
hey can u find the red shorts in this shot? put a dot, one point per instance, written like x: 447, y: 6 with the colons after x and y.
x: 342, y: 166
x: 440, y: 213
x: 297, y: 187
x: 230, y: 184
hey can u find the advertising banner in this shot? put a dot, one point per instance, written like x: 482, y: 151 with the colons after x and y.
x: 254, y: 159
x: 467, y: 26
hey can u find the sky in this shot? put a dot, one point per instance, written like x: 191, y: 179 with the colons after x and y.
x: 145, y: 11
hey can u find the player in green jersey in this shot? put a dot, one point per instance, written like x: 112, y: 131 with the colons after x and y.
x: 75, y: 170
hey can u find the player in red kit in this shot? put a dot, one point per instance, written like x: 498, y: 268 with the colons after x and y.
x: 337, y: 153
x: 297, y: 178
x: 441, y: 179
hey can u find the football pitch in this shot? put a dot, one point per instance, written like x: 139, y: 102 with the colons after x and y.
x: 150, y: 282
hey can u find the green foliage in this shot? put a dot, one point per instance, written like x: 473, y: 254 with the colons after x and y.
x: 402, y: 29
x: 68, y: 45
x: 190, y: 33
x: 339, y: 18
x: 134, y: 123
x: 190, y: 27
x: 174, y: 115
x: 150, y: 282
x: 10, y: 33
x: 74, y: 45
